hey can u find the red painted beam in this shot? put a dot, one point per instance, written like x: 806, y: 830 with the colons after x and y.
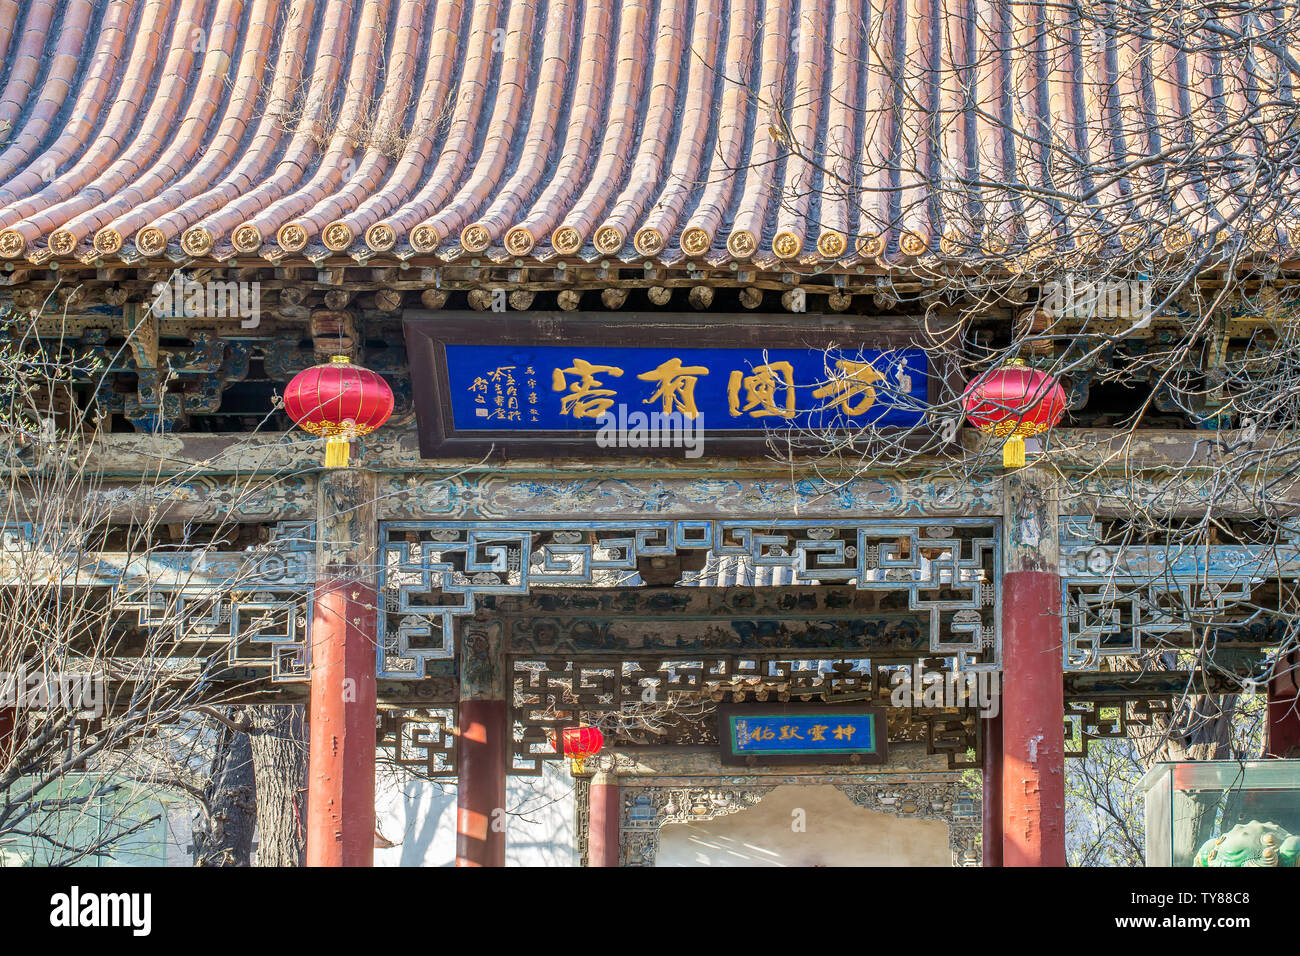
x: 341, y: 756
x: 602, y: 821
x: 992, y: 799
x: 1033, y: 726
x: 481, y: 784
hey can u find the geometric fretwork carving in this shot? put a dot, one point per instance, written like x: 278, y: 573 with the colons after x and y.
x: 954, y: 737
x: 660, y: 700
x: 1121, y: 599
x: 228, y: 609
x: 244, y: 609
x: 1120, y: 618
x: 1087, y: 720
x: 431, y: 572
x: 263, y: 630
x: 423, y: 740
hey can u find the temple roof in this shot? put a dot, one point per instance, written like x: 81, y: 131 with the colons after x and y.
x: 537, y: 130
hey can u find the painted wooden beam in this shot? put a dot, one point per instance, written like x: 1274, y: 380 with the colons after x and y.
x: 252, y: 686
x: 394, y: 450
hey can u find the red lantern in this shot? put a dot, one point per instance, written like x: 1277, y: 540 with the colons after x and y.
x: 1012, y: 402
x: 580, y: 743
x: 339, y: 402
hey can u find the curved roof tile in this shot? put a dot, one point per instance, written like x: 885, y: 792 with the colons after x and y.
x: 807, y: 131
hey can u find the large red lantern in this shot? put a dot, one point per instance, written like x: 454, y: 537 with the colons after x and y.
x: 338, y: 401
x: 580, y: 743
x: 1013, y: 402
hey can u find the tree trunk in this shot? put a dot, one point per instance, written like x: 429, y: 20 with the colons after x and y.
x: 1201, y: 729
x: 225, y: 836
x: 279, y: 752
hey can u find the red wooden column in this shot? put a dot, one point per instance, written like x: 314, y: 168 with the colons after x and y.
x: 603, y: 807
x: 1033, y: 706
x: 991, y: 776
x: 341, y: 754
x: 1284, y: 709
x: 481, y: 751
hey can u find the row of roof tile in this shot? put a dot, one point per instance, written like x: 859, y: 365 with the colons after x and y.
x: 765, y: 130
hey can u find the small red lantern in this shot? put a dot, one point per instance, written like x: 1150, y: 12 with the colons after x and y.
x: 339, y: 402
x: 580, y: 743
x: 1012, y: 402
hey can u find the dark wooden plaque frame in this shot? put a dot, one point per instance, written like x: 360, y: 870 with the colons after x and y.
x: 730, y: 758
x: 429, y: 332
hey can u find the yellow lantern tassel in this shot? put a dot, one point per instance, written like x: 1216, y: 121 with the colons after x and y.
x: 337, y: 451
x: 1013, y: 452
x: 576, y: 765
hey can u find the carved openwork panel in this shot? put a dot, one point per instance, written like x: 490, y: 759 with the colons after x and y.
x: 262, y: 629
x: 1088, y: 720
x: 953, y: 803
x: 582, y: 817
x: 231, y: 610
x: 254, y: 604
x: 1120, y: 599
x: 946, y: 570
x: 423, y: 740
x: 646, y: 809
x: 660, y: 700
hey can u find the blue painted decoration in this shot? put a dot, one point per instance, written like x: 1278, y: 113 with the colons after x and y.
x: 825, y: 732
x: 571, y: 388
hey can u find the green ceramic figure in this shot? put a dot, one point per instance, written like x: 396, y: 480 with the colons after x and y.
x: 1251, y: 844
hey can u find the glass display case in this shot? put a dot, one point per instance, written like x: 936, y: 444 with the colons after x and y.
x: 1223, y: 813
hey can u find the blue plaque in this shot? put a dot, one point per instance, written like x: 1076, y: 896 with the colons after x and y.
x: 546, y: 385
x: 573, y: 388
x: 802, y: 733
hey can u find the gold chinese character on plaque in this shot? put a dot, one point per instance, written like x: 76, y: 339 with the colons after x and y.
x: 587, y: 397
x: 761, y: 390
x: 850, y: 387
x: 676, y: 386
